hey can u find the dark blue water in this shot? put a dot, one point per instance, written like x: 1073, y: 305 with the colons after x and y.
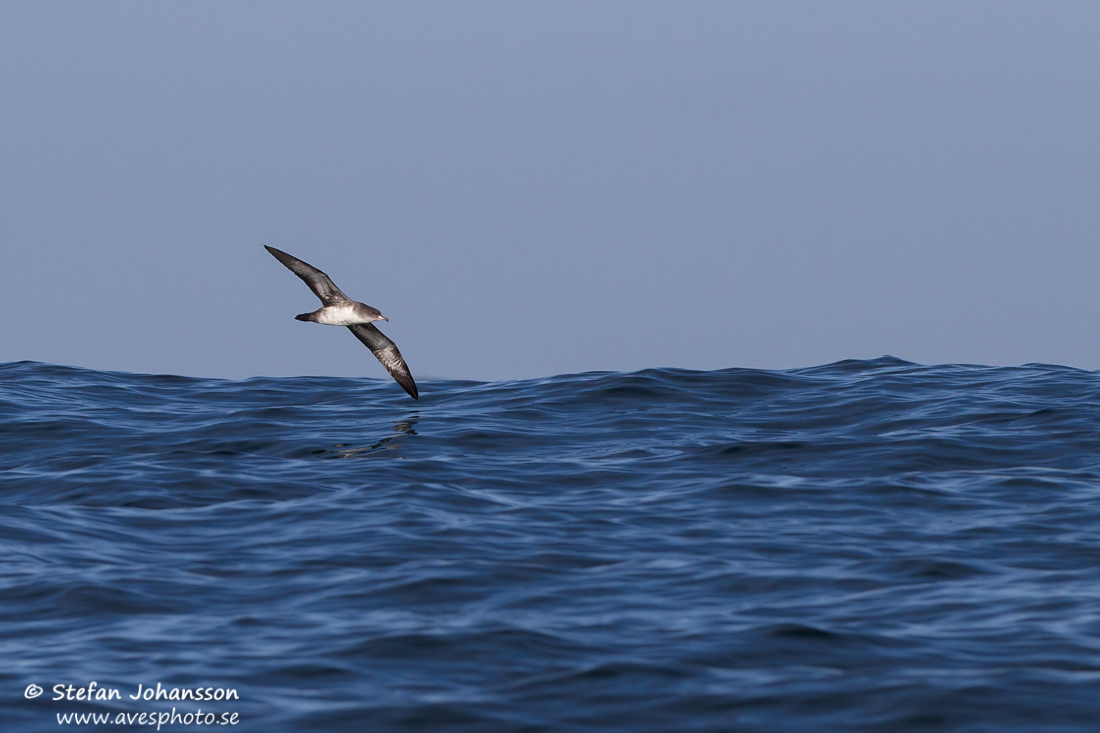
x: 866, y: 546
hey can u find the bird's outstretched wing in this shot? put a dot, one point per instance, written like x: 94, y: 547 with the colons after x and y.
x: 387, y: 353
x: 320, y: 283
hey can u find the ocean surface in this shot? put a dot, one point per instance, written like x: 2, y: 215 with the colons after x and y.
x: 862, y: 546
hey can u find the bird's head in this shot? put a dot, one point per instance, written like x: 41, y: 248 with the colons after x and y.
x: 374, y: 312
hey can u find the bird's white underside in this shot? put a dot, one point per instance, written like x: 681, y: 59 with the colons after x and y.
x: 341, y: 315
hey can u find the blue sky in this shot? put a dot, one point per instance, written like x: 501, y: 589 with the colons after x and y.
x: 528, y: 189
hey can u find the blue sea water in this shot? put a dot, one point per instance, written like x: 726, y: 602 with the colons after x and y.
x: 862, y: 546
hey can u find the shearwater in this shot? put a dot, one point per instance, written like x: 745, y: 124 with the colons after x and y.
x: 338, y: 309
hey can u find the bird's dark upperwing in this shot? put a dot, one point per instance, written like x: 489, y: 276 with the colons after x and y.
x: 387, y: 353
x: 317, y: 281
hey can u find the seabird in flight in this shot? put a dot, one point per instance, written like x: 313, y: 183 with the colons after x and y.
x: 338, y: 309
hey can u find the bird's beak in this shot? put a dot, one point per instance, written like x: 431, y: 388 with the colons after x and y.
x: 383, y: 318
